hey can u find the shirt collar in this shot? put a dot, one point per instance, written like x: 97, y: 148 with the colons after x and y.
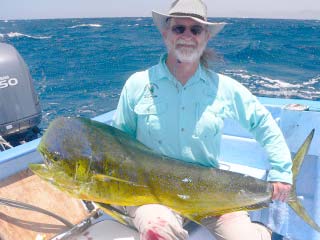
x: 162, y: 72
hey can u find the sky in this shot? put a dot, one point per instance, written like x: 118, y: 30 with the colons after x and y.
x: 44, y: 9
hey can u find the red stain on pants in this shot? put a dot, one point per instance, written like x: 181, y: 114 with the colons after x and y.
x: 153, y: 235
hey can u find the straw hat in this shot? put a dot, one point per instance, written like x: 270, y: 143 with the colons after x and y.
x: 194, y: 9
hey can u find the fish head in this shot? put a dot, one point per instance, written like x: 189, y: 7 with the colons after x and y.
x: 65, y: 147
x: 55, y: 160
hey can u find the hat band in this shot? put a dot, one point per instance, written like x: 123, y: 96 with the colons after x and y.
x: 189, y: 15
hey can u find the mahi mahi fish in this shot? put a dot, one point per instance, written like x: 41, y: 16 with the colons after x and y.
x: 97, y: 162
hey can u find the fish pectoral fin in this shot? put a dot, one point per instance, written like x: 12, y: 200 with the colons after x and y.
x: 106, y: 178
x: 114, y: 213
x: 195, y: 219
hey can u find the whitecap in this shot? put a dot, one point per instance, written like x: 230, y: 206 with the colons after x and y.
x: 239, y: 73
x: 85, y: 111
x: 262, y: 80
x: 17, y: 35
x: 86, y: 25
x: 312, y: 81
x: 276, y: 87
x: 276, y: 83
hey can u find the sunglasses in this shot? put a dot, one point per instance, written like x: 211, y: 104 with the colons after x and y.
x: 180, y: 29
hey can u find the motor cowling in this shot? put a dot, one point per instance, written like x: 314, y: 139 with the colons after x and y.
x: 20, y: 108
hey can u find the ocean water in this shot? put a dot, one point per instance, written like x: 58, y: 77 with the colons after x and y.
x: 80, y: 65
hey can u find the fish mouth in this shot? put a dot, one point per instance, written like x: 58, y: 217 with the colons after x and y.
x: 47, y: 162
x: 54, y: 176
x: 49, y: 158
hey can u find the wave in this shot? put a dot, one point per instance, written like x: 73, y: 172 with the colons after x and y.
x: 86, y: 25
x: 312, y: 81
x: 17, y: 35
x: 265, y: 81
x: 132, y: 25
x: 266, y: 86
x: 283, y: 93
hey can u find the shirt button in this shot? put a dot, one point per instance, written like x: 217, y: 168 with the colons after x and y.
x: 182, y: 129
x: 182, y: 108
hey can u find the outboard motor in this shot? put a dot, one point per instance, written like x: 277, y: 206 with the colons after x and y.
x: 20, y: 110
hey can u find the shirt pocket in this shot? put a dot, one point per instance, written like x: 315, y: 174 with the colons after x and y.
x: 209, y: 120
x: 151, y: 120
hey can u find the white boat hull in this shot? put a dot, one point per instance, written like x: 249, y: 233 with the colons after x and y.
x: 246, y: 157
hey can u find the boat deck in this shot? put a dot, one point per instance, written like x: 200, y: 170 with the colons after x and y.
x: 246, y: 157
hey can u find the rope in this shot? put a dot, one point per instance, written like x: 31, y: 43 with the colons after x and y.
x: 4, y: 144
x: 17, y: 204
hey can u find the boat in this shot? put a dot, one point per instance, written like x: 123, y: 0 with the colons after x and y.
x: 239, y: 151
x: 19, y: 104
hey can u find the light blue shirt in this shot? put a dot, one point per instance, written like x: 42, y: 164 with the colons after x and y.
x: 186, y: 121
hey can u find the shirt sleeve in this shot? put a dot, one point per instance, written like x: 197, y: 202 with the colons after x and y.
x: 253, y: 116
x: 125, y: 118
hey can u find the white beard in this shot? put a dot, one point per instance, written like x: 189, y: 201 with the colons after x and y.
x: 186, y: 51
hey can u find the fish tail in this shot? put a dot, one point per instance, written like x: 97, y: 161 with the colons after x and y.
x: 296, y: 205
x: 294, y: 201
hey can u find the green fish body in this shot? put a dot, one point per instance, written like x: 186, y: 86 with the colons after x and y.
x: 96, y: 162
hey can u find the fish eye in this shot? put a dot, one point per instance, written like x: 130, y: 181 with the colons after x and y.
x: 55, y: 156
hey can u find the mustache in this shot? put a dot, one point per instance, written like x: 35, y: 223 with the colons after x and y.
x: 186, y: 42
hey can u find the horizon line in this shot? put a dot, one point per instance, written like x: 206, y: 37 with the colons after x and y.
x: 100, y: 17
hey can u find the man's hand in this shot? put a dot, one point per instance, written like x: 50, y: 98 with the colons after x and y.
x: 281, y: 191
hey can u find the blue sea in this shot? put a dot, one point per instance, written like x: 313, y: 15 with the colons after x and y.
x: 80, y: 65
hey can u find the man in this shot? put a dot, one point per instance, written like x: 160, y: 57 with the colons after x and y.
x: 178, y: 107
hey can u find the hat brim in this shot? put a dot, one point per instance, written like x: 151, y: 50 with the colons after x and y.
x: 160, y: 20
